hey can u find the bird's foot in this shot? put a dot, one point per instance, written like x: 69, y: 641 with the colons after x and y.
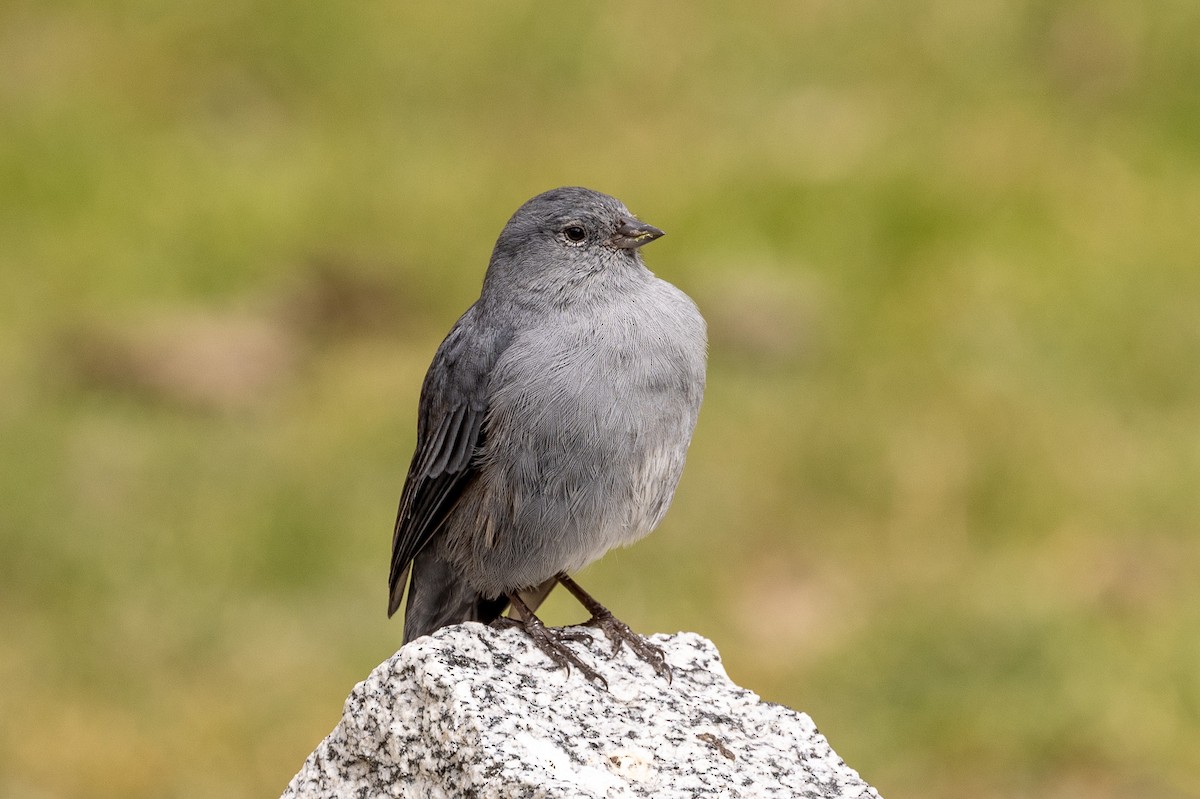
x: 552, y: 642
x: 620, y: 633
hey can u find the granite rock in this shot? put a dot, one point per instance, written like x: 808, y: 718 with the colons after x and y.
x: 473, y: 711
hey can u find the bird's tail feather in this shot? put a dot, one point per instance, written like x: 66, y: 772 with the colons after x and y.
x: 438, y: 597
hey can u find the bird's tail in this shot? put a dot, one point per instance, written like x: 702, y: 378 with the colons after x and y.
x: 438, y: 597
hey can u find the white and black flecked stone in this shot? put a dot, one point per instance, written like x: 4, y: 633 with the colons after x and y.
x: 473, y: 711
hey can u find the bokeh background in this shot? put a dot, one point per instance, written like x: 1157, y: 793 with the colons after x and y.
x: 944, y: 491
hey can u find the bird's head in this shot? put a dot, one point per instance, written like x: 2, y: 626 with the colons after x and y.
x: 569, y: 237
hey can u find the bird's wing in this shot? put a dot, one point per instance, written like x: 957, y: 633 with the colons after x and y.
x: 450, y: 428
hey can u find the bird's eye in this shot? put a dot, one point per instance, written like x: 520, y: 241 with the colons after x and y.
x: 575, y: 233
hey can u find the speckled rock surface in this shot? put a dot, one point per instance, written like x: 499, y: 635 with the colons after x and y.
x: 478, y: 712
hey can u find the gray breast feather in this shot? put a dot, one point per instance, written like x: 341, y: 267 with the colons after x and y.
x: 588, y: 425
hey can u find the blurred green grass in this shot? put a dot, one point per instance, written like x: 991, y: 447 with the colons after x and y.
x: 943, y: 495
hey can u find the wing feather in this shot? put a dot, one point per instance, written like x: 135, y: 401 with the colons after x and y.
x: 450, y: 429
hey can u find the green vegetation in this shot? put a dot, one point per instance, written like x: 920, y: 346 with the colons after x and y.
x: 945, y: 492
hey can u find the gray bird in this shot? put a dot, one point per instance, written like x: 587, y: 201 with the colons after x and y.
x: 553, y: 424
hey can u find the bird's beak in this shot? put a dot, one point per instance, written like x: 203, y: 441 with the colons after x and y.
x: 632, y: 233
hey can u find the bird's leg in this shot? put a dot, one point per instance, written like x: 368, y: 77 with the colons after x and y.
x: 616, y: 630
x: 551, y: 641
x: 516, y: 618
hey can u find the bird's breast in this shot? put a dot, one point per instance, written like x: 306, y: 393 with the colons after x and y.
x: 588, y: 424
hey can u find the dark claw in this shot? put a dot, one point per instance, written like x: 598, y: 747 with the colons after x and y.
x: 574, y: 635
x: 550, y: 641
x: 619, y: 633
